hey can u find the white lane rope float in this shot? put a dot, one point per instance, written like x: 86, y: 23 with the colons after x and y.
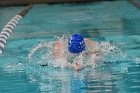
x: 8, y: 28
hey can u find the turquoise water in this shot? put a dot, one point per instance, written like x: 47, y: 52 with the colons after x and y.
x: 115, y: 22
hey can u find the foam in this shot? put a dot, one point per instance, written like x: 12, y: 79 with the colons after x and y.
x: 43, y: 52
x: 11, y: 68
x: 137, y: 60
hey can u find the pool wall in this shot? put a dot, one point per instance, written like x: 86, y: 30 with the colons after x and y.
x: 22, y: 2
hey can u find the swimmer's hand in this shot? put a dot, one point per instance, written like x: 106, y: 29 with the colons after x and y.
x: 74, y: 66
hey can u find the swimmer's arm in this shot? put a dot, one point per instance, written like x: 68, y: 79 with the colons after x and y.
x: 89, y: 41
x: 68, y: 65
x: 90, y: 53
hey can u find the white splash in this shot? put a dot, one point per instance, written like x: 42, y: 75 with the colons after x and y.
x: 137, y: 60
x: 11, y: 68
x: 109, y: 52
x: 43, y: 53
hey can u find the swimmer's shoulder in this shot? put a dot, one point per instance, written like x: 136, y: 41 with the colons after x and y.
x: 89, y: 41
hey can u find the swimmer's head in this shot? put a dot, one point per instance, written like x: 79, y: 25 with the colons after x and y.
x: 76, y: 44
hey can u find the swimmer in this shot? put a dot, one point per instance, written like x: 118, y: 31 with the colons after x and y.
x: 76, y: 45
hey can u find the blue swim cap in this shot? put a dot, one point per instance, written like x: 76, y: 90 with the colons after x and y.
x: 76, y: 44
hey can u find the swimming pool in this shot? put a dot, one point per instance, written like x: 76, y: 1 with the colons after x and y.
x: 116, y: 22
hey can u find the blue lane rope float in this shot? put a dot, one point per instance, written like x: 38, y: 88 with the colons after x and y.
x: 8, y: 28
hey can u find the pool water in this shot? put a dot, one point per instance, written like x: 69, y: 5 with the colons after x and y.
x: 114, y: 22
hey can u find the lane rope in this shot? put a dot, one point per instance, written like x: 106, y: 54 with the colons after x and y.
x: 8, y: 28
